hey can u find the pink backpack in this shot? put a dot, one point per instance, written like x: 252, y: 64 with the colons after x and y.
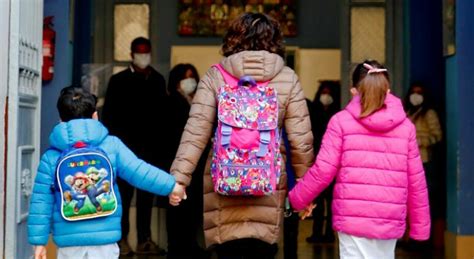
x: 246, y: 159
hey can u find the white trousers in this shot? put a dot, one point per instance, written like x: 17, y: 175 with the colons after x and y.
x: 352, y: 247
x: 110, y: 251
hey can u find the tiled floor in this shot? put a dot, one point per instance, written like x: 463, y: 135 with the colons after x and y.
x: 329, y: 251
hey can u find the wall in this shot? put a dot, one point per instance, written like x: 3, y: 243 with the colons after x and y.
x: 426, y: 47
x: 62, y: 67
x: 427, y: 65
x: 318, y: 27
x: 459, y: 96
x: 82, y: 37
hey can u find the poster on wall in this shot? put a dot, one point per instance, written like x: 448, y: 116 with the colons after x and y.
x: 212, y: 17
x: 449, y: 18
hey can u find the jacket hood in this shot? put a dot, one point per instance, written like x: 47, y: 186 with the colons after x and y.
x: 382, y: 120
x: 66, y: 134
x: 261, y: 65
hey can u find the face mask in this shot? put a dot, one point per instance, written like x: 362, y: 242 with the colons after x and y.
x: 416, y: 99
x: 188, y: 85
x: 326, y: 99
x: 142, y: 60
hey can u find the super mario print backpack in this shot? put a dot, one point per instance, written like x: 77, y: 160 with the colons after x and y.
x: 85, y: 180
x: 246, y: 154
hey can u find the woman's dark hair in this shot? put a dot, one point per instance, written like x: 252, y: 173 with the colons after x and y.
x: 372, y: 87
x: 423, y: 107
x: 76, y: 103
x: 177, y: 74
x: 253, y: 31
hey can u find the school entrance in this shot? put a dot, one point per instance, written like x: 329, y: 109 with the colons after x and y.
x: 92, y: 40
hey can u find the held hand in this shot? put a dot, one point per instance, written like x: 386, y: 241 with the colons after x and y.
x: 178, y: 194
x: 40, y: 252
x: 307, y: 211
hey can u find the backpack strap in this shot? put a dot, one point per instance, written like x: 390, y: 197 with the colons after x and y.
x: 228, y: 78
x: 232, y: 80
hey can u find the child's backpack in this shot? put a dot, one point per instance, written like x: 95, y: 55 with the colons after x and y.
x: 85, y: 181
x: 246, y: 159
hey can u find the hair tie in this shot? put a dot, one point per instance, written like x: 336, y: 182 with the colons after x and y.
x: 254, y: 22
x: 374, y: 69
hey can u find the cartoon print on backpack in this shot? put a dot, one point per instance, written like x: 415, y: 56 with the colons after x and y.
x: 90, y: 183
x: 85, y: 189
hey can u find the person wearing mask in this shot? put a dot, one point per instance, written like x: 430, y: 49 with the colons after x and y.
x: 133, y: 95
x: 370, y: 149
x: 184, y: 221
x: 425, y: 118
x: 428, y: 133
x: 236, y: 226
x: 326, y: 103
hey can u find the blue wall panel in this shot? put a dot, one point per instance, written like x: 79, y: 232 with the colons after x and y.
x: 62, y: 67
x: 465, y: 57
x: 452, y: 120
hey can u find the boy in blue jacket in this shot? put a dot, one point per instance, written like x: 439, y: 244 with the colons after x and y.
x: 80, y: 197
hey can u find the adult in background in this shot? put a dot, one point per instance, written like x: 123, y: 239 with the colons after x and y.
x: 420, y: 111
x: 184, y: 221
x: 326, y: 103
x: 134, y: 104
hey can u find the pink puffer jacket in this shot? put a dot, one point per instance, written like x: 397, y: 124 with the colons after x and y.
x: 378, y: 170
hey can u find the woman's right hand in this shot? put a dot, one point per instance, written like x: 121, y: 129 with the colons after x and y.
x: 40, y: 252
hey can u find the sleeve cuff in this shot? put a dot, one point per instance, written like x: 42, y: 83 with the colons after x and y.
x: 181, y: 178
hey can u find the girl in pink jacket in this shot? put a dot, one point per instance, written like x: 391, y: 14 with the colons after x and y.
x: 370, y: 148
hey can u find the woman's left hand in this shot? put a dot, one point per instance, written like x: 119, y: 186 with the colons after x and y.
x: 308, y: 211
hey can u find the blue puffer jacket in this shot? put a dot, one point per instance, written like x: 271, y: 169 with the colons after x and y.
x: 45, y: 208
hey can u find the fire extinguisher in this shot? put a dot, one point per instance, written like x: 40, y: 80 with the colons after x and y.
x: 49, y: 39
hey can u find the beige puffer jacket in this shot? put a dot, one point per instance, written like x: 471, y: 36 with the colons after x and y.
x: 230, y: 218
x: 428, y: 132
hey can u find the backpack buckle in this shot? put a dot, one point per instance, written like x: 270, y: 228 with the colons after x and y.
x: 264, y: 141
x: 226, y: 131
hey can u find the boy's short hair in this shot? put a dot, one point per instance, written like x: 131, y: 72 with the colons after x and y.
x: 76, y: 103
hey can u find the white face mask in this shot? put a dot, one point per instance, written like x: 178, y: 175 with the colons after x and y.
x: 326, y: 99
x: 188, y: 85
x: 416, y: 99
x: 142, y: 60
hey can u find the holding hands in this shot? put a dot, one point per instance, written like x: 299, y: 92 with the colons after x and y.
x: 40, y: 252
x: 307, y: 211
x: 177, y: 195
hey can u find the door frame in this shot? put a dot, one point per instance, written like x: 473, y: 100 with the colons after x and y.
x: 103, y: 34
x: 23, y: 91
x: 395, y: 49
x: 4, y: 36
x: 12, y: 128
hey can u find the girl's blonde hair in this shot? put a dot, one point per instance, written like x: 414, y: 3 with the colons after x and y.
x: 371, y: 79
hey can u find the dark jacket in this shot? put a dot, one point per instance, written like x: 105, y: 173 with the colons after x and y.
x: 134, y: 111
x: 178, y: 112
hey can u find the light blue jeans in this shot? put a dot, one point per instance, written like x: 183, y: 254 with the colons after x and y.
x: 111, y: 251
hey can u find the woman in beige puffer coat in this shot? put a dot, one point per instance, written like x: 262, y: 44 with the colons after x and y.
x: 246, y: 226
x: 428, y: 128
